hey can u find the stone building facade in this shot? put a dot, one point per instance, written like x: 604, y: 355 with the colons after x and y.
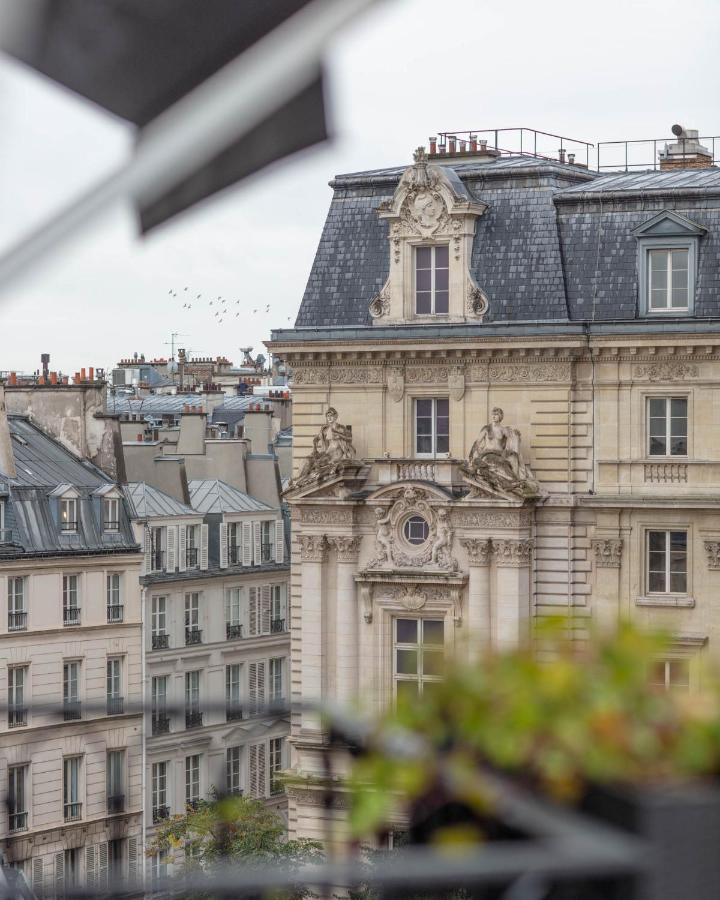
x: 505, y: 405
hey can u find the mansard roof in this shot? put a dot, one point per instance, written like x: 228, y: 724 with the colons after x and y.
x: 556, y: 245
x: 210, y: 495
x: 149, y: 502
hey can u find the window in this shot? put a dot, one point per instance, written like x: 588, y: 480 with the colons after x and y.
x: 276, y: 764
x: 159, y: 865
x: 71, y: 600
x: 671, y: 674
x: 191, y: 546
x: 160, y: 718
x: 114, y: 686
x: 158, y: 623
x: 71, y: 788
x: 71, y: 869
x: 667, y: 426
x: 71, y: 691
x: 17, y: 798
x: 668, y: 279
x: 256, y: 687
x: 667, y: 562
x: 160, y: 808
x: 68, y: 514
x: 233, y: 709
x: 112, y: 589
x: 115, y: 778
x: 267, y: 541
x: 232, y: 771
x: 193, y: 716
x: 17, y: 613
x: 419, y: 655
x: 432, y: 426
x: 278, y: 622
x: 233, y: 626
x: 235, y: 542
x: 111, y: 514
x: 431, y: 280
x: 276, y: 679
x: 17, y: 710
x: 192, y: 779
x: 416, y: 530
x: 157, y: 549
x: 5, y: 533
x: 193, y: 634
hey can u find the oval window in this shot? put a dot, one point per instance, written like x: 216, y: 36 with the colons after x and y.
x: 416, y: 530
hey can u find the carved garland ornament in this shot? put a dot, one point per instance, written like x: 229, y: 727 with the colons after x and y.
x: 607, y: 552
x: 712, y: 548
x: 533, y: 372
x: 669, y: 370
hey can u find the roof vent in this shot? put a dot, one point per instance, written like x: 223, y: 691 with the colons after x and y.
x: 686, y: 152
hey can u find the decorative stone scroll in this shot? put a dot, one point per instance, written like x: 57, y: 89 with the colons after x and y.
x: 479, y: 550
x: 342, y: 374
x: 512, y: 553
x: 491, y: 518
x: 380, y: 303
x: 313, y: 547
x: 431, y: 374
x: 712, y: 549
x: 477, y: 301
x: 607, y: 552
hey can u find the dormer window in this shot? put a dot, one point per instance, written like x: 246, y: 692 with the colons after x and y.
x: 668, y: 281
x: 432, y: 280
x: 111, y: 514
x: 68, y: 514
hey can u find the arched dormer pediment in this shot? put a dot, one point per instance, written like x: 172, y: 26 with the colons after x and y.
x: 431, y: 221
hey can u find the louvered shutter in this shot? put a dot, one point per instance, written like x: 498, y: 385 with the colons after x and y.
x: 261, y: 771
x: 253, y: 606
x: 257, y: 549
x: 223, y: 545
x: 132, y: 859
x: 260, y: 690
x: 253, y: 770
x: 253, y: 686
x: 265, y: 606
x: 102, y: 868
x: 171, y: 561
x: 203, y: 547
x: 247, y: 543
x: 147, y: 550
x: 90, y: 866
x: 279, y: 542
x: 38, y: 885
x: 59, y: 873
x: 182, y: 548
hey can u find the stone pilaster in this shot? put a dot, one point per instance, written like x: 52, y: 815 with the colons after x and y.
x: 313, y: 553
x: 347, y: 617
x: 479, y: 551
x: 513, y: 558
x: 607, y: 555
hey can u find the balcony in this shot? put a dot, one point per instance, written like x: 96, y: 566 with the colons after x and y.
x: 116, y: 804
x: 68, y: 526
x: 277, y: 626
x: 233, y: 631
x: 18, y: 821
x: 160, y: 641
x: 17, y: 621
x: 193, y: 636
x: 157, y: 561
x: 71, y: 710
x: 160, y: 723
x: 115, y: 613
x: 191, y: 558
x: 234, y: 554
x: 266, y: 553
x: 111, y: 525
x: 193, y: 719
x: 17, y: 716
x: 159, y: 813
x: 115, y: 706
x: 71, y: 615
x: 233, y: 712
x: 73, y: 812
x: 6, y: 536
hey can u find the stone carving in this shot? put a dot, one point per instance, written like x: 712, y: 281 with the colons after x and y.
x: 426, y: 374
x: 607, y: 552
x: 356, y: 375
x: 412, y: 598
x: 320, y: 516
x: 332, y: 448
x: 479, y: 550
x: 666, y: 473
x: 396, y: 383
x: 318, y: 797
x: 423, y: 211
x: 380, y: 303
x: 313, y: 547
x: 666, y: 370
x: 477, y: 301
x: 495, y: 467
x: 512, y: 553
x: 347, y: 547
x: 383, y: 539
x: 488, y: 518
x: 311, y: 375
x: 712, y: 548
x: 441, y: 549
x: 456, y: 382
x: 530, y: 373
x: 416, y: 471
x: 366, y: 601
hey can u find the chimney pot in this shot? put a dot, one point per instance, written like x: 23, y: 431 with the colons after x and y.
x: 13, y: 378
x: 433, y: 144
x: 452, y: 139
x: 483, y: 145
x: 53, y: 378
x: 82, y: 374
x: 571, y: 158
x: 473, y: 143
x: 561, y: 154
x: 91, y: 374
x: 463, y: 145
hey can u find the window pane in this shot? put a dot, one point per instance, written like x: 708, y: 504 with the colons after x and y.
x: 679, y: 672
x: 656, y: 561
x: 678, y: 446
x: 678, y: 583
x: 656, y: 407
x: 441, y: 280
x: 678, y: 540
x: 443, y: 444
x: 407, y: 662
x: 657, y: 446
x: 406, y: 631
x: 407, y: 690
x: 678, y: 408
x: 423, y: 281
x: 441, y: 302
x: 423, y: 304
x: 424, y: 408
x: 679, y: 260
x: 656, y: 582
x: 433, y: 662
x: 658, y: 260
x: 430, y: 687
x: 424, y: 425
x: 441, y: 256
x: 656, y: 540
x: 443, y: 407
x: 433, y: 631
x: 424, y: 445
x: 423, y: 256
x: 657, y: 673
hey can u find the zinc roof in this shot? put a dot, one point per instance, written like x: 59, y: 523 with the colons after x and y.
x: 148, y: 502
x: 215, y: 496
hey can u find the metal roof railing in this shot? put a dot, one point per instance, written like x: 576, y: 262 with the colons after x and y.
x: 634, y: 155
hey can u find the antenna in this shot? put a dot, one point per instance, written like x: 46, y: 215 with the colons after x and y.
x: 677, y: 130
x: 171, y: 342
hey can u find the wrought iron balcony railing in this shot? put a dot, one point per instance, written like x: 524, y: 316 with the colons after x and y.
x: 159, y: 813
x: 193, y: 636
x: 277, y: 626
x: 72, y: 710
x: 160, y: 723
x: 17, y: 716
x: 73, y: 812
x: 193, y: 718
x: 160, y: 641
x: 116, y: 804
x: 233, y: 712
x: 18, y: 821
x: 233, y: 631
x: 17, y: 621
x: 71, y: 615
x: 115, y: 613
x: 115, y: 706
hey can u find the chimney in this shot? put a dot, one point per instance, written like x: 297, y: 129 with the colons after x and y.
x: 433, y: 145
x: 7, y: 460
x: 561, y: 154
x: 686, y: 152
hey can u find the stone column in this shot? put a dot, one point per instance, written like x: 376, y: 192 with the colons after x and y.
x: 479, y: 551
x: 512, y: 600
x: 607, y: 553
x: 313, y: 553
x: 346, y: 618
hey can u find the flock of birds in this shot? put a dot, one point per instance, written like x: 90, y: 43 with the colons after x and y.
x: 223, y: 305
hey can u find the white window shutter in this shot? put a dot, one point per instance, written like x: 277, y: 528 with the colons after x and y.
x: 279, y: 541
x: 223, y: 545
x: 60, y: 873
x: 102, y: 868
x: 257, y: 551
x: 247, y: 543
x: 261, y: 770
x: 260, y: 684
x: 265, y: 606
x: 252, y: 686
x: 147, y: 551
x: 171, y: 561
x: 253, y: 770
x: 203, y: 547
x: 132, y: 858
x: 90, y: 866
x: 37, y: 876
x: 253, y: 594
x: 182, y: 548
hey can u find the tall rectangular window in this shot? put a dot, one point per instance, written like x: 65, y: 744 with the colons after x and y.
x: 418, y: 655
x: 432, y: 426
x: 17, y: 611
x: 233, y: 709
x: 160, y: 718
x: 71, y: 600
x: 278, y: 621
x: 668, y: 280
x: 267, y: 541
x: 112, y: 596
x: 192, y: 546
x: 233, y: 626
x: 193, y: 634
x: 276, y: 764
x: 193, y: 716
x: 71, y: 691
x: 111, y: 514
x: 159, y: 787
x: 235, y: 543
x: 671, y: 674
x: 192, y: 779
x: 232, y: 771
x: 158, y: 623
x: 276, y: 679
x: 667, y: 419
x: 68, y: 514
x: 432, y: 280
x: 115, y: 781
x: 667, y: 562
x: 157, y: 549
x: 17, y: 798
x: 17, y: 709
x: 71, y: 788
x: 114, y: 686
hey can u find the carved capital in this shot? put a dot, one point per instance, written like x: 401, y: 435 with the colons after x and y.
x: 513, y: 553
x: 712, y: 548
x: 607, y: 552
x: 313, y: 547
x: 347, y: 547
x: 479, y: 550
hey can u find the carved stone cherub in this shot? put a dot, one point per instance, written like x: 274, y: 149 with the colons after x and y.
x: 495, y: 465
x: 383, y: 539
x: 442, y: 545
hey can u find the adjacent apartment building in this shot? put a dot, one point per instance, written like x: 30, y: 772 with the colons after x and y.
x: 70, y: 666
x: 505, y: 405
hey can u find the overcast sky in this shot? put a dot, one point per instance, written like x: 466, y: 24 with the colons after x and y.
x: 619, y: 69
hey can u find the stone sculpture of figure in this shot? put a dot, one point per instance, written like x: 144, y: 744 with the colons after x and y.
x: 332, y: 446
x: 383, y: 539
x: 496, y: 463
x: 441, y: 548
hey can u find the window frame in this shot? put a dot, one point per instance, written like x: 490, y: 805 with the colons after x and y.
x: 434, y: 453
x: 667, y: 570
x: 18, y: 690
x: 110, y: 522
x: 666, y: 662
x: 67, y: 524
x: 433, y: 247
x: 419, y: 678
x: 276, y: 679
x: 648, y: 244
x: 192, y: 778
x: 276, y: 763
x: 668, y: 399
x: 18, y: 775
x: 233, y: 770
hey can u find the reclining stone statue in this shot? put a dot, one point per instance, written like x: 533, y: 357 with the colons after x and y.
x: 495, y: 466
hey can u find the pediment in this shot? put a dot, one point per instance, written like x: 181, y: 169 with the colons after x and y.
x: 65, y: 491
x: 669, y: 224
x: 340, y: 486
x: 108, y: 491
